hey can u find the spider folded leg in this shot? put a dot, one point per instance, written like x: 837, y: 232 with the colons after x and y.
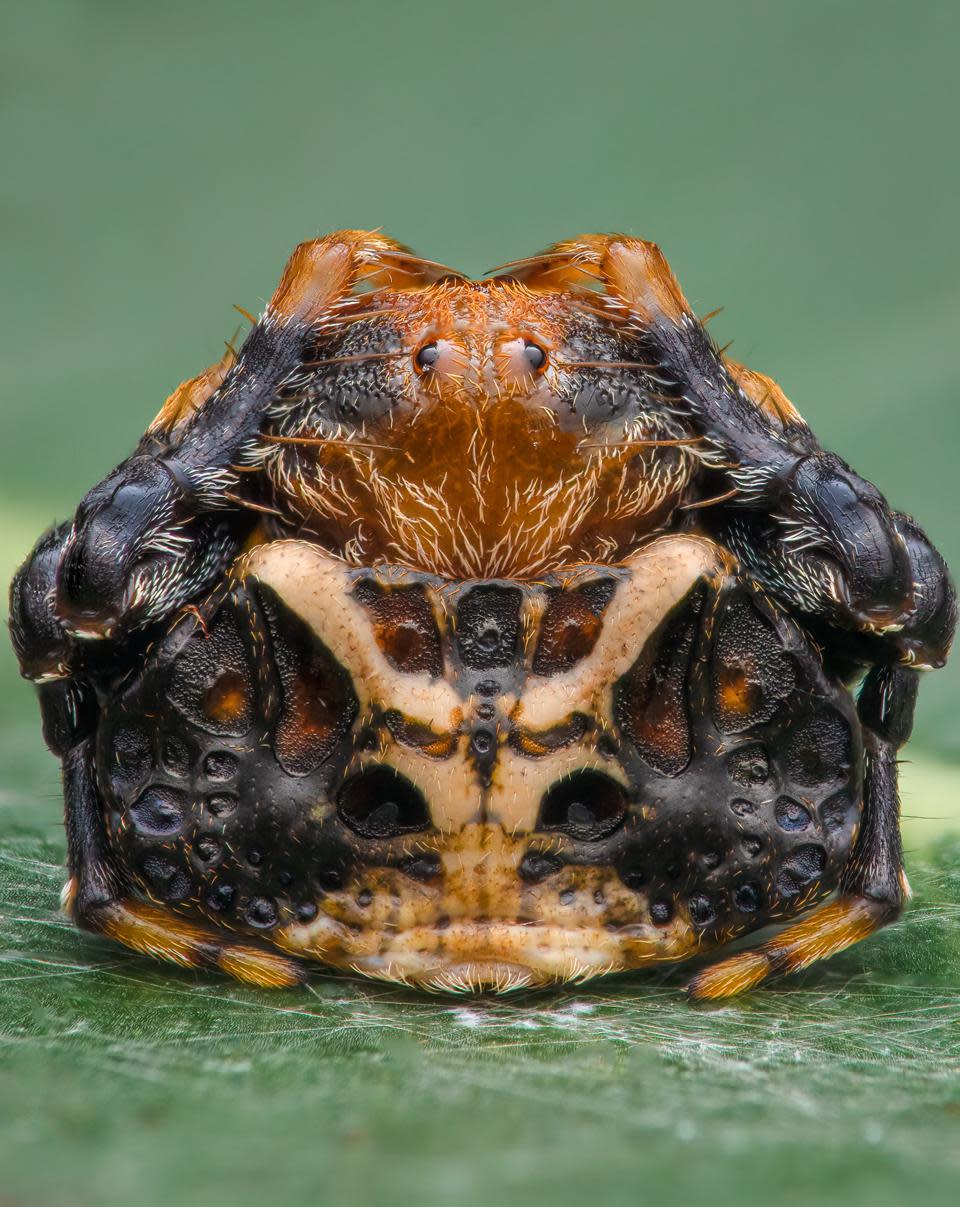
x: 98, y: 898
x: 873, y: 886
x: 164, y: 525
x: 155, y: 932
x: 827, y: 930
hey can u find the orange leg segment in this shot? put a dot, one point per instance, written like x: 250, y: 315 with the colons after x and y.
x: 98, y: 898
x: 154, y: 931
x: 827, y: 930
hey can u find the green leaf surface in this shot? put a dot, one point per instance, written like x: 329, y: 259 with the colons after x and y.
x: 796, y: 164
x: 126, y: 1082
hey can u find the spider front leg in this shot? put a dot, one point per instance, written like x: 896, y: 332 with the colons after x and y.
x: 162, y: 527
x: 47, y: 654
x: 817, y: 535
x: 164, y: 524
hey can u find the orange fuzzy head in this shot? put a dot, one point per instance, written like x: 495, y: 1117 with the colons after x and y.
x: 467, y: 428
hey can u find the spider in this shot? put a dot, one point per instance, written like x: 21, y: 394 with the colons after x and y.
x: 479, y: 634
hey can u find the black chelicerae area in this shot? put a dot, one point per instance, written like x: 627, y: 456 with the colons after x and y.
x: 350, y: 393
x: 604, y: 395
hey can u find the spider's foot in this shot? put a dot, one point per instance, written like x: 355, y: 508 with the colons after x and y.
x: 156, y: 932
x: 829, y: 929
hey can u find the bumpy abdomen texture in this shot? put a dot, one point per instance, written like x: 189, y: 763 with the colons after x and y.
x: 407, y: 775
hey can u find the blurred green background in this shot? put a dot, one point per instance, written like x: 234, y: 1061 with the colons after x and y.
x: 797, y: 163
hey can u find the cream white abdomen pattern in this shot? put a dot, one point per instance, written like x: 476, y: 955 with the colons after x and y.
x: 492, y: 782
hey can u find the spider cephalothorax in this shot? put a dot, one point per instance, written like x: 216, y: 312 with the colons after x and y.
x: 468, y: 428
x: 481, y: 633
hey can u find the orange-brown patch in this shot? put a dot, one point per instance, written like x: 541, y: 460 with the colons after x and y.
x: 656, y: 724
x: 190, y: 396
x: 481, y: 467
x: 538, y: 744
x: 227, y: 699
x: 420, y: 737
x: 651, y: 699
x: 403, y: 626
x: 570, y: 627
x: 312, y: 716
x: 739, y: 694
x: 765, y: 392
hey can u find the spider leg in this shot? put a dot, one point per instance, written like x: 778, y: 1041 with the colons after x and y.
x: 163, y: 526
x: 62, y: 669
x: 829, y: 929
x: 873, y: 885
x: 816, y: 534
x: 160, y: 528
x: 44, y: 649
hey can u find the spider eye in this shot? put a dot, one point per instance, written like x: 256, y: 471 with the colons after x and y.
x: 534, y: 356
x: 427, y: 356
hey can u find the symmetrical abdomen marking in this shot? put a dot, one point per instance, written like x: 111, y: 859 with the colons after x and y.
x: 484, y: 782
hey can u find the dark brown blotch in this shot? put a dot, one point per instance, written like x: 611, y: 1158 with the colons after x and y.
x: 211, y: 681
x: 650, y: 701
x: 585, y: 805
x: 419, y: 736
x: 318, y: 701
x: 404, y: 626
x: 536, y: 744
x: 571, y: 625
